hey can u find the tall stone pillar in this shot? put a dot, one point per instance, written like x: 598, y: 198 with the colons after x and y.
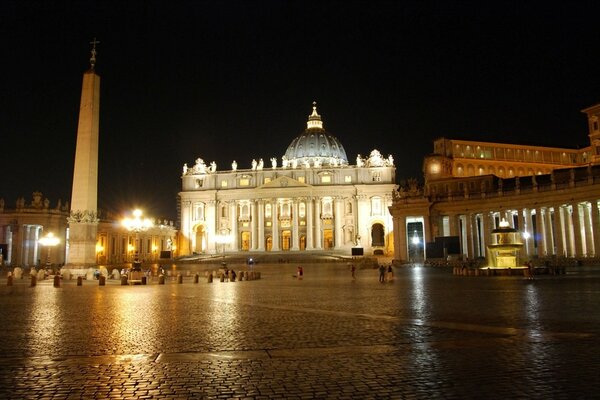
x: 578, y: 239
x: 569, y: 231
x: 318, y: 233
x: 295, y: 230
x: 275, y: 226
x: 587, y: 226
x: 254, y: 234
x: 469, y: 235
x: 400, y: 243
x: 596, y: 227
x: 83, y: 220
x: 337, y: 224
x: 528, y: 227
x: 558, y: 231
x: 261, y: 226
x: 550, y: 233
x: 539, y: 237
x: 309, y: 223
x: 453, y: 223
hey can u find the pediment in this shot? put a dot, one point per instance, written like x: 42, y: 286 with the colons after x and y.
x: 283, y: 182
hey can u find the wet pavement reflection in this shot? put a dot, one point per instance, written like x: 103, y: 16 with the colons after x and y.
x: 429, y: 332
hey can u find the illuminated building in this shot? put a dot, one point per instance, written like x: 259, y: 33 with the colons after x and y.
x: 550, y: 194
x: 310, y: 199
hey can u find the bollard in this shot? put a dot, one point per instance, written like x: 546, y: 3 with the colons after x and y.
x: 33, y: 280
x: 9, y: 280
x: 101, y: 280
x: 79, y: 280
x: 124, y: 280
x: 179, y: 278
x: 240, y: 276
x: 196, y: 277
x: 144, y: 279
x: 56, y: 280
x: 210, y: 278
x: 161, y: 280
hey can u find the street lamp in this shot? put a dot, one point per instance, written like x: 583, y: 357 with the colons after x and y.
x: 49, y: 241
x: 136, y: 224
x: 223, y: 239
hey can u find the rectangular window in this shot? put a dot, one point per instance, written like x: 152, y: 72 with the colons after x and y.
x: 223, y: 183
x: 267, y: 180
x: 301, y: 179
x: 347, y: 179
x: 244, y: 182
x: 326, y: 179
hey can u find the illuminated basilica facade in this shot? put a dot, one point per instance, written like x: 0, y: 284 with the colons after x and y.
x: 310, y: 199
x: 550, y: 195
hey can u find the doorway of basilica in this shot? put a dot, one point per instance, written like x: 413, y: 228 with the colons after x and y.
x: 200, y: 236
x: 246, y: 241
x: 303, y: 242
x: 328, y: 239
x: 268, y: 243
x: 286, y: 239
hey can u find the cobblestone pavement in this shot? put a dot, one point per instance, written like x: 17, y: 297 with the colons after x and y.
x: 426, y: 335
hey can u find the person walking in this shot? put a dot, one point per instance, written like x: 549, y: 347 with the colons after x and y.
x: 381, y: 273
x: 300, y: 272
x: 390, y: 273
x: 353, y: 269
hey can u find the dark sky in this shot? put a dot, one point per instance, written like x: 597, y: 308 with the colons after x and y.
x: 226, y: 80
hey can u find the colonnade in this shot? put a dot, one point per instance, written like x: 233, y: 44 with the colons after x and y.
x: 561, y: 229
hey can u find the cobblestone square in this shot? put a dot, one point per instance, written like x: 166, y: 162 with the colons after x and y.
x: 425, y: 335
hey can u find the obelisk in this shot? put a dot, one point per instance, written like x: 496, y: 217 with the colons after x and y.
x: 83, y: 220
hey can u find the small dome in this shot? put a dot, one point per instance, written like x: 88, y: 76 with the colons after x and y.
x: 315, y: 146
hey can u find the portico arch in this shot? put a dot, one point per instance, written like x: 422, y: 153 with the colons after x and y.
x: 199, y: 242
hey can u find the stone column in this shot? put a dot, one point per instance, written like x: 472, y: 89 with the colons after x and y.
x: 453, y: 224
x: 528, y: 227
x: 295, y: 230
x: 235, y: 245
x: 578, y: 240
x: 275, y: 226
x: 569, y: 234
x: 469, y: 234
x: 476, y: 235
x: 261, y: 226
x: 318, y: 240
x: 589, y: 237
x: 400, y: 244
x: 309, y: 223
x: 254, y: 227
x: 337, y: 224
x: 540, y: 233
x: 596, y: 227
x: 557, y: 227
x: 549, y: 233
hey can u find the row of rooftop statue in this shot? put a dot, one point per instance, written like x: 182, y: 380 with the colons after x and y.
x: 375, y: 159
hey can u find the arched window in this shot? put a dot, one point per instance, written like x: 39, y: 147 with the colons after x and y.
x: 377, y: 235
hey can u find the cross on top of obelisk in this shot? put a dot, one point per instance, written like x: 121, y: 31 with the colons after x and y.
x: 93, y: 57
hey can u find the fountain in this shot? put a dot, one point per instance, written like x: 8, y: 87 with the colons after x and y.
x: 503, y: 252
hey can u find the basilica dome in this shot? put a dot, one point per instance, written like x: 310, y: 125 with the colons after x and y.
x: 315, y: 146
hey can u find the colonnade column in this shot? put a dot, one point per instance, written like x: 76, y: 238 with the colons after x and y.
x: 596, y: 227
x: 558, y: 231
x: 309, y: 223
x: 469, y: 234
x: 579, y: 243
x: 275, y: 226
x: 261, y: 226
x: 550, y: 233
x: 318, y: 244
x: 476, y: 235
x: 295, y: 234
x: 541, y: 232
x: 568, y: 226
x: 453, y: 224
x: 337, y: 223
x: 528, y: 227
x: 589, y: 235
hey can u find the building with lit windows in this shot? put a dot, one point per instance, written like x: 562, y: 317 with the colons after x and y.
x: 310, y: 199
x: 549, y: 194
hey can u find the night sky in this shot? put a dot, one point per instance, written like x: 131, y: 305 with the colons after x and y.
x: 225, y: 80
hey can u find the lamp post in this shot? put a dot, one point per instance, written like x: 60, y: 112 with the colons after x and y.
x: 136, y: 224
x: 223, y: 239
x: 49, y: 241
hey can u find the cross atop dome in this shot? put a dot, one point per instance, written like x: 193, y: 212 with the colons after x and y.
x: 93, y: 51
x: 314, y: 119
